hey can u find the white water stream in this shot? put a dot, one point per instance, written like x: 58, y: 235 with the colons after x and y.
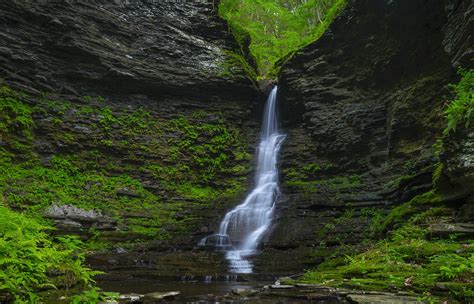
x: 243, y: 227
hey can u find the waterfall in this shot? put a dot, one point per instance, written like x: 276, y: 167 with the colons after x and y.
x: 243, y: 227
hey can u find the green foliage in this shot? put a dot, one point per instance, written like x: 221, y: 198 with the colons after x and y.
x: 461, y: 109
x: 37, y: 187
x: 405, y: 261
x: 15, y: 120
x: 93, y: 296
x: 278, y: 28
x: 437, y: 174
x: 402, y: 212
x: 29, y: 257
x: 303, y: 173
x: 452, y: 266
x: 207, y: 158
x: 15, y: 114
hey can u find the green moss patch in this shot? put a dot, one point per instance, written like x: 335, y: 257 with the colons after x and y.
x: 158, y: 177
x: 406, y: 260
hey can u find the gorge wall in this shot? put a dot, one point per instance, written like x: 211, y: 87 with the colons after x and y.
x: 138, y: 112
x: 362, y: 108
x: 133, y: 110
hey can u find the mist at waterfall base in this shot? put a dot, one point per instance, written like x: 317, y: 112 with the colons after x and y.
x: 243, y: 227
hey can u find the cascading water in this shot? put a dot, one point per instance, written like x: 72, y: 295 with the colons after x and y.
x: 244, y: 226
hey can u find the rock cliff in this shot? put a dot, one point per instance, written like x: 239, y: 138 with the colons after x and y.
x: 102, y: 48
x: 362, y: 108
x: 137, y: 110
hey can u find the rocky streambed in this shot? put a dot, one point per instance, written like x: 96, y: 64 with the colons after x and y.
x: 249, y: 292
x: 201, y: 276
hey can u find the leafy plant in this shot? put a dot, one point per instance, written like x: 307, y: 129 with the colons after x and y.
x: 94, y: 295
x: 461, y: 109
x: 453, y: 265
x: 31, y: 260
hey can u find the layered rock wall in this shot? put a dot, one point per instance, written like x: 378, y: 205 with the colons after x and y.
x: 362, y: 108
x: 128, y: 92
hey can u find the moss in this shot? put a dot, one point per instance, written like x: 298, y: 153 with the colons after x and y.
x: 406, y: 260
x: 194, y: 161
x: 337, y: 183
x: 196, y: 192
x: 437, y: 174
x: 234, y: 64
x: 395, y: 183
x: 306, y: 172
x: 402, y: 212
x: 16, y: 121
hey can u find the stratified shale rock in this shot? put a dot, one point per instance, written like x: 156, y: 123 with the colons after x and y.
x: 120, y: 47
x: 142, y: 92
x: 362, y: 108
x: 125, y: 90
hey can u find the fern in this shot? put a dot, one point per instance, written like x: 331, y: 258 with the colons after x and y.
x: 461, y: 109
x: 28, y: 254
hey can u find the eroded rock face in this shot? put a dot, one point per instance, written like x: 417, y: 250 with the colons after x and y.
x: 362, y: 108
x: 110, y: 48
x: 458, y: 157
x: 457, y: 177
x: 115, y: 82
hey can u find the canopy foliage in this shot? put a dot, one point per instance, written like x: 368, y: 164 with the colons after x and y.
x: 277, y: 28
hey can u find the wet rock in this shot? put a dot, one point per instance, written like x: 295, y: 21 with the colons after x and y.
x: 244, y: 292
x: 113, y: 262
x: 131, y: 297
x: 458, y: 166
x: 382, y: 299
x: 6, y: 297
x: 158, y: 296
x: 445, y: 229
x: 127, y: 192
x: 281, y: 286
x: 266, y: 86
x: 69, y: 225
x: 325, y: 298
x: 120, y: 250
